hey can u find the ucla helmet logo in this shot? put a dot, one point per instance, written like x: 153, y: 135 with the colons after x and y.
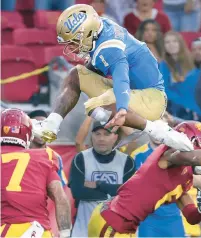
x: 78, y: 24
x: 75, y: 21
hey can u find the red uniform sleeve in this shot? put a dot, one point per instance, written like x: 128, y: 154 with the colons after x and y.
x: 53, y: 175
x: 189, y: 180
x: 53, y: 158
x: 55, y: 161
x: 191, y: 214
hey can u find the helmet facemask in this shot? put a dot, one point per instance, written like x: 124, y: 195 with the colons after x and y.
x: 80, y: 25
x: 83, y: 46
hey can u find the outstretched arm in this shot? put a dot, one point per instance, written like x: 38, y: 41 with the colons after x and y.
x: 121, y: 83
x: 113, y: 61
x: 189, y: 210
x: 62, y: 206
x: 82, y: 134
x: 176, y: 157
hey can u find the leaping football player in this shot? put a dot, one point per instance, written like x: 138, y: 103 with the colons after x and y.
x: 134, y: 97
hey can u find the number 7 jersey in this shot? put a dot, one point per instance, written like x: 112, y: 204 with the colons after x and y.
x: 25, y: 175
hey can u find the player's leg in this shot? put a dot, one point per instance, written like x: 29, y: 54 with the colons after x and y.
x: 91, y: 83
x: 79, y: 79
x: 17, y: 230
x: 69, y: 95
x: 147, y: 104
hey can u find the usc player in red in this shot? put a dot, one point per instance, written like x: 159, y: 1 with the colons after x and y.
x: 28, y: 177
x: 154, y: 184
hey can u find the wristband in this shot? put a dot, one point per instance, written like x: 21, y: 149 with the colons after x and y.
x: 149, y: 127
x: 191, y: 214
x: 54, y: 121
x: 55, y: 117
x: 65, y: 233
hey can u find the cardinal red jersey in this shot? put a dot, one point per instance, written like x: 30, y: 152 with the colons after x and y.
x: 25, y: 177
x: 53, y: 157
x: 150, y: 187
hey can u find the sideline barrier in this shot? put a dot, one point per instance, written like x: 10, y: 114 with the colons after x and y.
x: 24, y: 75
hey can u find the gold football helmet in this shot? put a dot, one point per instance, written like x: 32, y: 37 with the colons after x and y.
x: 80, y: 25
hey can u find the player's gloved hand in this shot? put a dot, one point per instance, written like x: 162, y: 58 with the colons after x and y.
x: 161, y: 132
x: 199, y: 199
x: 47, y: 129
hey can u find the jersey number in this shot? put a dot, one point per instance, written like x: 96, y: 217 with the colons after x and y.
x: 22, y: 163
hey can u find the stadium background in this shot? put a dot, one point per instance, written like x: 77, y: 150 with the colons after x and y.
x: 29, y: 50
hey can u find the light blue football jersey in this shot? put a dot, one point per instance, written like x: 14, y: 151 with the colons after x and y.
x: 128, y: 60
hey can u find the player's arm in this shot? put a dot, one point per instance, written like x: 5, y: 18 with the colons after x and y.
x: 121, y: 83
x: 113, y: 61
x: 65, y: 102
x: 62, y: 204
x: 82, y: 134
x: 69, y: 95
x: 189, y: 210
x: 175, y: 157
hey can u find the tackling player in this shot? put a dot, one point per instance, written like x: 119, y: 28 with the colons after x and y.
x: 160, y: 186
x: 166, y: 221
x: 28, y: 177
x: 136, y: 93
